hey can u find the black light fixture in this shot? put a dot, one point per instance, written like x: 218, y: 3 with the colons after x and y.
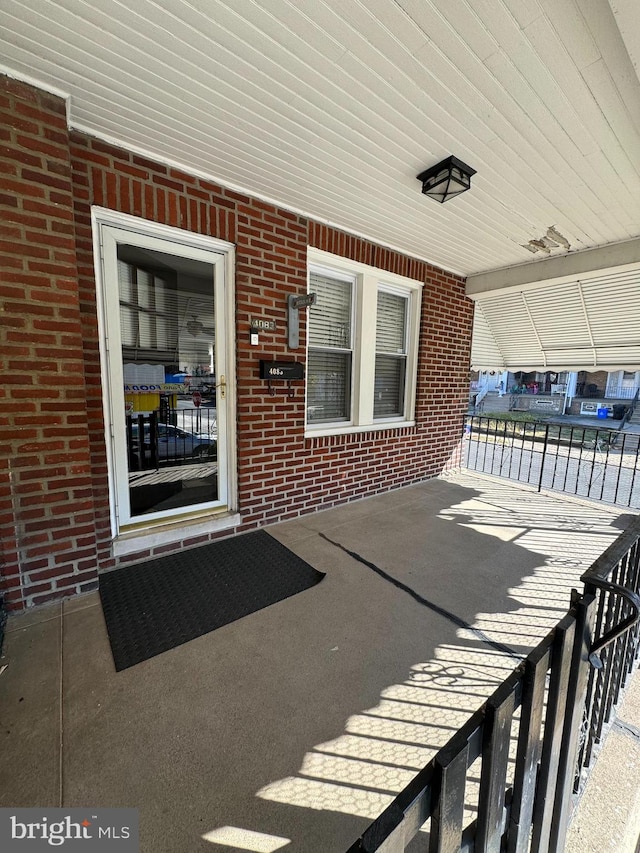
x: 447, y: 179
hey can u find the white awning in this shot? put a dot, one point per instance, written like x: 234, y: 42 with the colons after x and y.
x: 586, y: 323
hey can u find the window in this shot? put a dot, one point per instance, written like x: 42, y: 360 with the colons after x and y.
x: 145, y: 319
x: 362, y: 346
x: 330, y: 350
x: 391, y: 355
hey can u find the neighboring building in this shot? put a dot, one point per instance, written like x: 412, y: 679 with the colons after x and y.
x: 139, y: 304
x: 564, y: 392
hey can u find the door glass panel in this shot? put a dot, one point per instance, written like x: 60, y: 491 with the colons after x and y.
x: 167, y: 328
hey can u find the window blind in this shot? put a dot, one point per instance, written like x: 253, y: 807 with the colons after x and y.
x: 328, y: 386
x: 330, y: 342
x: 391, y: 323
x: 128, y: 315
x: 145, y: 307
x: 388, y: 400
x: 330, y: 317
x: 391, y: 355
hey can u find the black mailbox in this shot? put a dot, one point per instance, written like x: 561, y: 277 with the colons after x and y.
x: 284, y: 370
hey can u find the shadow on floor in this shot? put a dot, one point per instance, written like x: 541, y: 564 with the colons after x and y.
x: 293, y: 728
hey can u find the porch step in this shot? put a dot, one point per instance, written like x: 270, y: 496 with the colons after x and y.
x: 493, y: 402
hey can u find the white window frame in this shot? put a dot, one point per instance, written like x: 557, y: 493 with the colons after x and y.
x: 396, y: 291
x: 351, y: 280
x: 367, y: 282
x: 110, y: 225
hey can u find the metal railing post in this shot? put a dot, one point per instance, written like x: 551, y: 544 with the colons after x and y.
x: 544, y: 455
x: 574, y: 716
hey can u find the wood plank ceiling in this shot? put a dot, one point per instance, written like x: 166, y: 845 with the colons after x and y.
x: 332, y: 107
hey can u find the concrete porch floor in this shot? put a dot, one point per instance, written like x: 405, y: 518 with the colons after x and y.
x: 292, y: 729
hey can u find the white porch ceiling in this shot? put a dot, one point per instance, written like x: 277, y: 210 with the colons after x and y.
x: 332, y: 107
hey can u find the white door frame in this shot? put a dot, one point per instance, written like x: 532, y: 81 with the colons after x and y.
x: 109, y: 229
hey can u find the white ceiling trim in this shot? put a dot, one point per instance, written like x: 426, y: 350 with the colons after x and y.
x: 37, y: 82
x: 616, y: 257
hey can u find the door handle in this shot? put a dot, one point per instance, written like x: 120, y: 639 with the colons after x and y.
x: 222, y: 385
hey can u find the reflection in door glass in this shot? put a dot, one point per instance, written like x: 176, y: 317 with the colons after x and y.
x: 167, y: 325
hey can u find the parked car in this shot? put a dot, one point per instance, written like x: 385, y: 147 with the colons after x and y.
x: 173, y: 444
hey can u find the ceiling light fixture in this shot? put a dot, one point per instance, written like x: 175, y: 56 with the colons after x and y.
x: 447, y: 179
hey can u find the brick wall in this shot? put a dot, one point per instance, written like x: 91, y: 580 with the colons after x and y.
x: 47, y: 529
x: 280, y: 473
x: 599, y: 378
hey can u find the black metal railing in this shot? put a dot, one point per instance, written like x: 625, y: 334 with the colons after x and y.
x: 621, y: 392
x: 629, y: 410
x: 171, y: 437
x: 554, y: 705
x: 592, y: 462
x: 614, y: 582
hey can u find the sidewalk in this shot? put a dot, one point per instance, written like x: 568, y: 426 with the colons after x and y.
x: 594, y: 423
x: 294, y: 727
x: 607, y: 816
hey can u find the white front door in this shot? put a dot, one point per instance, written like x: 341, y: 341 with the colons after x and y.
x: 166, y: 332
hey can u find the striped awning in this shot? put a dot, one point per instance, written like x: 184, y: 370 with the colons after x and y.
x: 579, y: 324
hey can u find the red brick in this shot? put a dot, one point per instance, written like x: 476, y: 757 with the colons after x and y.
x: 270, y: 262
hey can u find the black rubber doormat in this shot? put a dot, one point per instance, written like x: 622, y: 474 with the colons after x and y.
x: 152, y: 607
